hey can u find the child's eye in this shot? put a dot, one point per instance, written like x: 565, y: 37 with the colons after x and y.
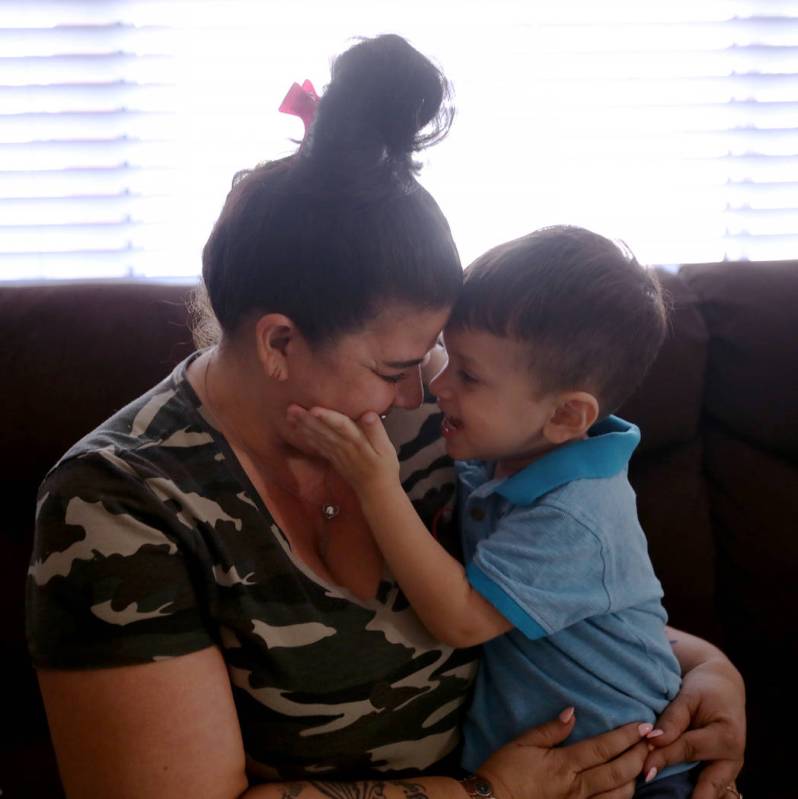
x: 393, y: 378
x: 466, y: 377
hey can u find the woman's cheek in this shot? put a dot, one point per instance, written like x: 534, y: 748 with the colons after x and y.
x: 380, y: 400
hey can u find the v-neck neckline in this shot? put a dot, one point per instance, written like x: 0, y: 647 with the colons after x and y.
x: 234, y: 467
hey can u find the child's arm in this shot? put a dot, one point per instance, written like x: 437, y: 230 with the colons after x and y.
x: 433, y: 581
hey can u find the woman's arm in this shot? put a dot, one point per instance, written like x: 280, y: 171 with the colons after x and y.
x: 169, y: 730
x: 527, y: 768
x: 165, y: 729
x: 706, y: 721
x: 692, y: 651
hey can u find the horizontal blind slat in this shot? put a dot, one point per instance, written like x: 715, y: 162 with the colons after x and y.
x: 85, y: 126
x: 98, y: 209
x: 87, y: 40
x: 80, y: 97
x: 115, y: 151
x: 86, y: 237
x: 77, y: 182
x: 73, y: 68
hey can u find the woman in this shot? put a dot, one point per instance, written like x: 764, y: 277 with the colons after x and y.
x: 207, y: 610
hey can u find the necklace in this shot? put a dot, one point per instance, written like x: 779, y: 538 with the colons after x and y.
x: 329, y: 509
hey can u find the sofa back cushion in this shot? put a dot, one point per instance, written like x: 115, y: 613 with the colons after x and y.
x: 71, y: 355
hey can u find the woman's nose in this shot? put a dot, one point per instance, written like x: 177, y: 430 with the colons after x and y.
x: 438, y: 383
x: 409, y: 391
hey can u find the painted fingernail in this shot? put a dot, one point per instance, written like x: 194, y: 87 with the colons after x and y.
x: 645, y: 729
x: 655, y: 733
x: 651, y: 774
x: 566, y: 715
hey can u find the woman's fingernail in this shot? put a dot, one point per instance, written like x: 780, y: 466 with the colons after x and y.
x: 651, y: 747
x: 645, y: 729
x: 655, y: 733
x: 566, y: 715
x: 651, y: 774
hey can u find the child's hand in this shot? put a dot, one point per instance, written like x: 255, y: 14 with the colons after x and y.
x: 360, y: 452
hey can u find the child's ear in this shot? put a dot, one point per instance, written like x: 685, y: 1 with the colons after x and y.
x: 574, y: 415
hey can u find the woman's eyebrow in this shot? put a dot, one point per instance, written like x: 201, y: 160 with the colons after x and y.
x: 413, y: 361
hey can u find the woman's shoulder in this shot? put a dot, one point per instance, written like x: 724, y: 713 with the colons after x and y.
x: 120, y: 536
x: 168, y: 414
x: 155, y: 448
x: 156, y: 463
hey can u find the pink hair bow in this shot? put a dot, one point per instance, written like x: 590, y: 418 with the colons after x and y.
x: 301, y: 101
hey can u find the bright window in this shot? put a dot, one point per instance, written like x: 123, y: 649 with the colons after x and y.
x: 671, y: 125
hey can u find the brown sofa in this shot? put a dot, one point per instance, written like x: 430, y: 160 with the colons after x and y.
x: 716, y: 474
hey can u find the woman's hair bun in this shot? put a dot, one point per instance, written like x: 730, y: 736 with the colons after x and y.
x: 384, y: 102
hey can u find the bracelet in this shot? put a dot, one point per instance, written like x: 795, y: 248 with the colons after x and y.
x: 477, y: 787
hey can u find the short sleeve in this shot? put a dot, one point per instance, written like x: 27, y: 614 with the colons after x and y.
x: 542, y: 569
x: 110, y: 581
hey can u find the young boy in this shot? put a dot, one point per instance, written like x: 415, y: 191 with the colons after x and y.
x: 553, y: 331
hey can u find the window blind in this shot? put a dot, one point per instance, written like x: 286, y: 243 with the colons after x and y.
x: 86, y: 140
x: 673, y: 126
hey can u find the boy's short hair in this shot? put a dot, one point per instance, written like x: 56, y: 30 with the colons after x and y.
x: 593, y: 317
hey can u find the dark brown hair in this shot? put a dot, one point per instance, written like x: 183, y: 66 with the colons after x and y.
x: 593, y: 317
x: 328, y: 234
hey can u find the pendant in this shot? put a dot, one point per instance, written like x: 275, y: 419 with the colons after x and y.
x: 330, y: 511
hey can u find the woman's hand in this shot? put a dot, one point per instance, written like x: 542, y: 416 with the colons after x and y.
x: 531, y: 768
x: 360, y: 452
x: 706, y: 721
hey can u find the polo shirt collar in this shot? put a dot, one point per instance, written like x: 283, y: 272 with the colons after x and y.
x: 604, y: 453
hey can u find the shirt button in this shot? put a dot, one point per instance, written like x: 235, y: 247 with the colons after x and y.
x: 477, y: 513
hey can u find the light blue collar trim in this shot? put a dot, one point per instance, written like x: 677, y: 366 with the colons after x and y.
x: 604, y: 453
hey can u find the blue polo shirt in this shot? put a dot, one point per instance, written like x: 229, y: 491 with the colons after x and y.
x: 558, y: 550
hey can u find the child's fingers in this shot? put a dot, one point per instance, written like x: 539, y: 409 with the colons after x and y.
x: 373, y: 429
x: 348, y: 435
x: 335, y: 437
x: 335, y: 420
x: 322, y: 423
x: 316, y: 432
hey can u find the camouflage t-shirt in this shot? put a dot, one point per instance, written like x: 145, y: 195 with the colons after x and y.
x: 151, y: 542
